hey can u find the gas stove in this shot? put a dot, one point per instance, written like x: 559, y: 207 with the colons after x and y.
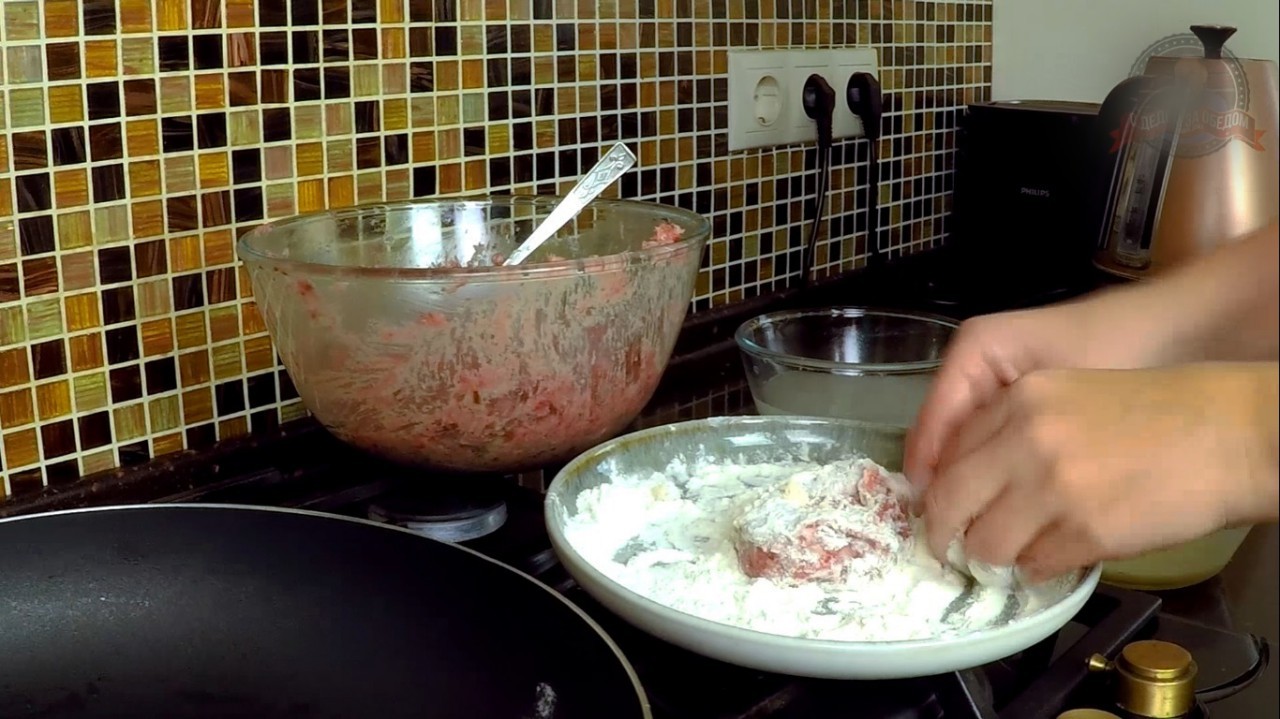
x: 502, y: 519
x: 1080, y: 668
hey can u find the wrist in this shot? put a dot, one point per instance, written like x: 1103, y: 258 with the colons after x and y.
x: 1220, y: 307
x: 1254, y: 389
x: 1267, y: 406
x: 1125, y: 327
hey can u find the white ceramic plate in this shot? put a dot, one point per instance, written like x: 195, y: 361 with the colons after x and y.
x: 821, y: 440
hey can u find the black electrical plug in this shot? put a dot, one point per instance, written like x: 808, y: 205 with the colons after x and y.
x: 819, y: 100
x: 865, y: 101
x: 863, y: 95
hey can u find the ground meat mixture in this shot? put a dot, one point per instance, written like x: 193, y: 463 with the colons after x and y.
x: 475, y: 375
x: 823, y: 524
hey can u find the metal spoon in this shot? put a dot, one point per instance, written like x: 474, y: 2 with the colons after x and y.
x: 615, y: 162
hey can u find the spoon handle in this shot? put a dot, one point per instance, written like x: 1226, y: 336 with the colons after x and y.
x: 615, y: 162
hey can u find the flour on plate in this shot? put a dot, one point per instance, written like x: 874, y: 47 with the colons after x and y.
x: 823, y: 551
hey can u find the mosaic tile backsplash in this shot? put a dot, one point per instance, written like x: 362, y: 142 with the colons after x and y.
x: 140, y: 138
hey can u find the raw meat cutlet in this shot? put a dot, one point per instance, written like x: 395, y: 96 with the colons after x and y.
x: 838, y: 521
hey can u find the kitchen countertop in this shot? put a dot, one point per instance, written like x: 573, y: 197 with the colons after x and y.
x: 705, y: 378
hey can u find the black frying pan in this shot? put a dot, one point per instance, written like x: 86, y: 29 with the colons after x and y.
x: 212, y: 611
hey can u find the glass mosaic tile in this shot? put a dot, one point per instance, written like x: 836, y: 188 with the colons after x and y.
x: 140, y: 138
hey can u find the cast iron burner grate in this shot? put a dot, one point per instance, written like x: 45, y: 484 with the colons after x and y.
x: 450, y: 509
x: 1040, y: 683
x: 1037, y: 684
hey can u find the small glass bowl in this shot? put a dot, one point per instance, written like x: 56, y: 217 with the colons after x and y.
x: 846, y: 362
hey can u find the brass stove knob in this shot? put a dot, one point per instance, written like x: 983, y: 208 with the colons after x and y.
x: 1153, y: 679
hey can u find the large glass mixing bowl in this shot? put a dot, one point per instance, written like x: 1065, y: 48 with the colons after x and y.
x: 406, y: 337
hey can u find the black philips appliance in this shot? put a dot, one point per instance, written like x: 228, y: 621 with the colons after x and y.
x: 1024, y: 208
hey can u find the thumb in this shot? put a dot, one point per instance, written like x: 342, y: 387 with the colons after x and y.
x: 958, y: 390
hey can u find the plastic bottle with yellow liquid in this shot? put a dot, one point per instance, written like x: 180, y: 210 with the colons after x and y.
x: 1179, y: 566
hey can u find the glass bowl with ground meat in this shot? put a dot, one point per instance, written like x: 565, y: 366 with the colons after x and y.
x: 406, y: 336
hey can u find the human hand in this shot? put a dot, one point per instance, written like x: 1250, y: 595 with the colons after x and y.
x: 987, y: 354
x: 1065, y: 468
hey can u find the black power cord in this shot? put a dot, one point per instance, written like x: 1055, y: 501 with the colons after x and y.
x: 865, y: 100
x: 819, y: 101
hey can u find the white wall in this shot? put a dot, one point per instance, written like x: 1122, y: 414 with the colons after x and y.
x: 1079, y: 49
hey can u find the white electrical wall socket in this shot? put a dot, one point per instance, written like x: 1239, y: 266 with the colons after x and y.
x: 766, y: 94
